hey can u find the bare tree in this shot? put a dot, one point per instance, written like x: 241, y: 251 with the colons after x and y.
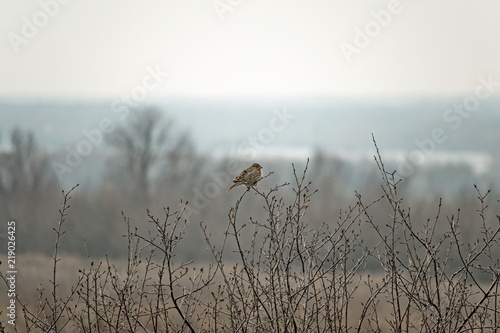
x: 24, y: 172
x: 139, y: 144
x: 22, y: 168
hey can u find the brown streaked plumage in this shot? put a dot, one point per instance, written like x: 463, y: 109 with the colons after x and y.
x: 248, y: 177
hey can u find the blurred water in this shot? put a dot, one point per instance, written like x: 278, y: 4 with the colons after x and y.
x: 320, y: 123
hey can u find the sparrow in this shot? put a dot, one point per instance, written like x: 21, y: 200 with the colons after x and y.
x: 248, y: 177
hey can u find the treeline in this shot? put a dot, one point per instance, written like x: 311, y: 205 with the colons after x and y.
x: 150, y: 164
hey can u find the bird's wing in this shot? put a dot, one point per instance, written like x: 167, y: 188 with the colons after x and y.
x: 241, y: 176
x: 250, y: 176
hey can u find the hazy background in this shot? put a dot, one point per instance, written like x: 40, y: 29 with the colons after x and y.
x: 186, y: 88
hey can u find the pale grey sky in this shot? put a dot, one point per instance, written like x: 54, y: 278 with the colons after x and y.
x: 95, y: 48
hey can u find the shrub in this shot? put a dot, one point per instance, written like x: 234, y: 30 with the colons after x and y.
x: 289, y: 275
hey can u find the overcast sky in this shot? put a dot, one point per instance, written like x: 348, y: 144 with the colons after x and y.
x: 96, y: 48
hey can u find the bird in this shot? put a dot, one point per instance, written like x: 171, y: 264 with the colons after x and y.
x: 248, y: 177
